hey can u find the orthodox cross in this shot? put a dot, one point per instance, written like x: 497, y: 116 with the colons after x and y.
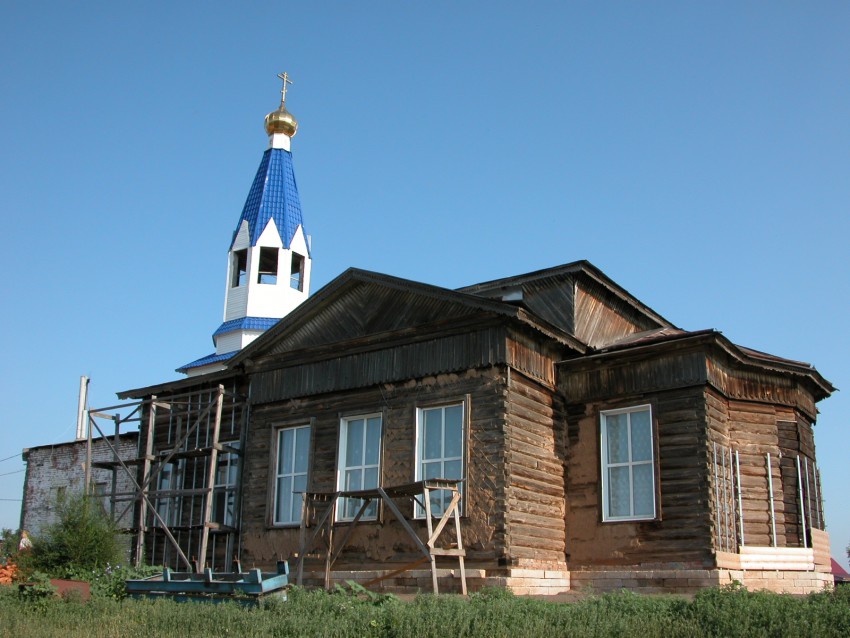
x: 285, y: 78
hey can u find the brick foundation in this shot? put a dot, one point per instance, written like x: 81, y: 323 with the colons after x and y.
x: 646, y: 579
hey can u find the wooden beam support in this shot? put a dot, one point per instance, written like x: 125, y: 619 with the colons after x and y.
x: 210, y: 485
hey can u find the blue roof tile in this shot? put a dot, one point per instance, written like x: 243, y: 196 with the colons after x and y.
x: 245, y: 323
x: 210, y: 358
x: 273, y: 195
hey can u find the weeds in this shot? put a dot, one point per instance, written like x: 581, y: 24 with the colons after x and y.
x: 491, y: 613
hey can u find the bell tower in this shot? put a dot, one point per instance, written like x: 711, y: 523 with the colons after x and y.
x: 268, y: 262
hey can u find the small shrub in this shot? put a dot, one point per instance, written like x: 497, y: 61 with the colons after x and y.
x: 82, y: 538
x: 38, y: 592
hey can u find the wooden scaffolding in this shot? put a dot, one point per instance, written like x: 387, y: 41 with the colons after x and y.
x: 188, y: 462
x: 320, y: 513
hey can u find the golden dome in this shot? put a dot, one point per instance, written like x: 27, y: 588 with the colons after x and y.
x: 281, y: 121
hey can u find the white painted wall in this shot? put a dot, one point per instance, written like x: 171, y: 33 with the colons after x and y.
x: 280, y: 140
x: 253, y: 299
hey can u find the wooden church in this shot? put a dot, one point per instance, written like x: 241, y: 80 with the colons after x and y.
x: 543, y: 432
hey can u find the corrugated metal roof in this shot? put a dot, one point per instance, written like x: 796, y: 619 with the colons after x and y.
x: 273, y: 195
x: 245, y: 323
x: 210, y: 358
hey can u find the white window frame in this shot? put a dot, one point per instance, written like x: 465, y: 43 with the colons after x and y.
x: 344, y: 464
x: 277, y: 520
x: 419, y: 510
x: 606, y: 464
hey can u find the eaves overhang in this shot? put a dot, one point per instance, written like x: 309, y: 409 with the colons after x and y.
x: 745, y: 357
x: 184, y: 383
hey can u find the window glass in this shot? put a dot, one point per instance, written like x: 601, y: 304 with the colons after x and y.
x: 168, y: 505
x: 618, y: 491
x: 628, y: 465
x: 293, y: 449
x: 453, y: 446
x: 644, y: 490
x: 224, y: 491
x: 359, y: 463
x: 641, y: 437
x: 440, y: 446
x: 618, y: 438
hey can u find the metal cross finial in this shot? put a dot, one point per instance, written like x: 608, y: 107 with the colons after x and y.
x: 285, y: 77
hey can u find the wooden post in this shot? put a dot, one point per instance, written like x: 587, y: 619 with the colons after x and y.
x: 427, y: 496
x: 210, y: 485
x: 459, y: 542
x: 302, y: 539
x: 331, y: 520
x: 87, y: 483
x: 146, y: 471
x: 117, y: 442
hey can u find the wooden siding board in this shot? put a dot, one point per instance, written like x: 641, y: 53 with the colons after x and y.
x: 602, y: 319
x: 453, y: 353
x: 552, y: 300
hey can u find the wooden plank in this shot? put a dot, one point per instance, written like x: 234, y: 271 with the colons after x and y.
x: 210, y: 481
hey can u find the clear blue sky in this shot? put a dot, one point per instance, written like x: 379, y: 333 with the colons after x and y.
x: 698, y: 153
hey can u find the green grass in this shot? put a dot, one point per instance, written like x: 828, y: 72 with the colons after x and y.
x: 491, y: 614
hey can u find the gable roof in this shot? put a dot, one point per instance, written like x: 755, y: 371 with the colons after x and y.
x: 273, y: 195
x: 532, y: 290
x: 359, y: 303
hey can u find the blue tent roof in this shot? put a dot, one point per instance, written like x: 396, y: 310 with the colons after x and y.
x: 273, y: 195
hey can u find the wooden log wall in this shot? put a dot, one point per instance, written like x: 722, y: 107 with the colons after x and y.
x: 682, y: 530
x: 535, y: 472
x: 755, y: 429
x: 375, y: 543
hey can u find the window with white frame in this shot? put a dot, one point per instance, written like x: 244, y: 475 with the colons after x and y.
x: 628, y: 464
x: 359, y: 463
x: 439, y: 450
x: 293, y: 453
